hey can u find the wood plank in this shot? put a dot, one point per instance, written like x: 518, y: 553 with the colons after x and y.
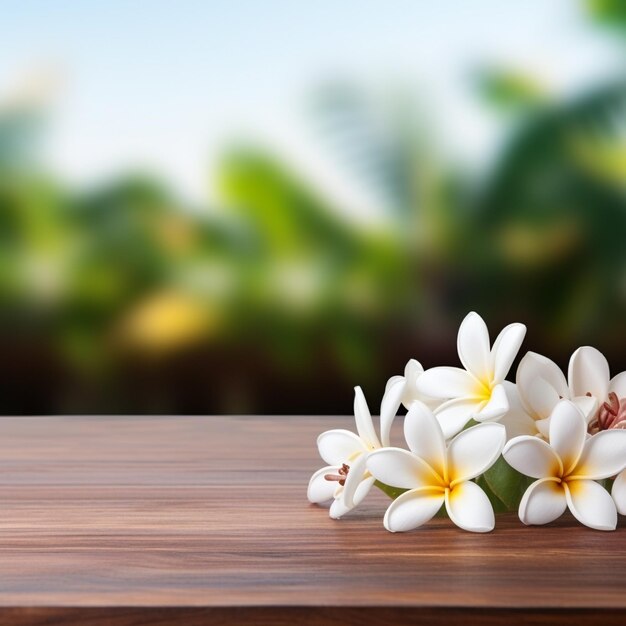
x: 129, y: 520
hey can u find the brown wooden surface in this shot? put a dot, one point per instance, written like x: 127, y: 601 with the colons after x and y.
x: 204, y: 520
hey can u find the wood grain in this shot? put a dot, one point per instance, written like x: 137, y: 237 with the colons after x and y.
x: 136, y: 520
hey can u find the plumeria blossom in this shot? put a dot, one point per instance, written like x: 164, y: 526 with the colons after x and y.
x: 437, y: 474
x: 401, y: 390
x: 567, y: 467
x: 345, y: 479
x: 588, y: 375
x: 477, y: 391
x: 541, y: 384
x: 566, y: 433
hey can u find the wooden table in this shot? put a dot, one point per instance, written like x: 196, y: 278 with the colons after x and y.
x: 135, y: 520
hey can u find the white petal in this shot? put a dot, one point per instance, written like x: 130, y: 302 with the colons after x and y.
x: 518, y: 422
x: 469, y: 508
x: 591, y: 504
x: 588, y: 406
x: 392, y: 381
x: 447, y: 382
x: 389, y: 407
x: 399, y: 468
x: 541, y: 397
x: 412, y: 509
x: 496, y: 407
x: 473, y: 347
x: 364, y: 424
x: 532, y: 457
x: 589, y: 373
x: 568, y: 431
x: 454, y: 414
x: 513, y: 396
x: 424, y: 437
x: 505, y: 349
x: 618, y: 492
x: 339, y: 509
x: 363, y: 489
x: 338, y: 446
x: 320, y: 489
x: 535, y: 365
x: 432, y: 403
x: 412, y: 370
x: 474, y: 451
x: 618, y: 385
x: 603, y: 455
x: 543, y: 426
x: 543, y: 502
x: 355, y: 475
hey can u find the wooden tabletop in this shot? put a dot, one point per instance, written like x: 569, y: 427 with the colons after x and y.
x: 136, y: 520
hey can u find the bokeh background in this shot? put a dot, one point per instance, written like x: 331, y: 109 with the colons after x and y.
x: 253, y: 206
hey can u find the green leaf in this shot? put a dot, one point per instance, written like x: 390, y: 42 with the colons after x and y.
x: 392, y: 492
x: 505, y: 483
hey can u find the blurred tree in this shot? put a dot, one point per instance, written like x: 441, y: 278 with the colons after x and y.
x: 552, y: 221
x: 125, y: 299
x: 608, y: 12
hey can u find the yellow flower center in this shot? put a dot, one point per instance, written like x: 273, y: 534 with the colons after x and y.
x: 483, y: 390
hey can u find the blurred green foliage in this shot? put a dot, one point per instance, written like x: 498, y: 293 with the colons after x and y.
x: 609, y: 12
x: 125, y: 299
x: 511, y: 90
x: 554, y: 210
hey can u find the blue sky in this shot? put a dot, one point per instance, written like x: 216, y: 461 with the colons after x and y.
x: 163, y: 85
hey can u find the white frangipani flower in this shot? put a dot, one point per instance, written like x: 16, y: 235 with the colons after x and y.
x: 588, y: 375
x: 346, y: 478
x: 401, y: 390
x: 541, y: 384
x: 436, y: 474
x: 477, y: 391
x: 566, y: 468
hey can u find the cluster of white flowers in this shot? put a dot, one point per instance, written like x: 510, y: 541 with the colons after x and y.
x: 566, y: 434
